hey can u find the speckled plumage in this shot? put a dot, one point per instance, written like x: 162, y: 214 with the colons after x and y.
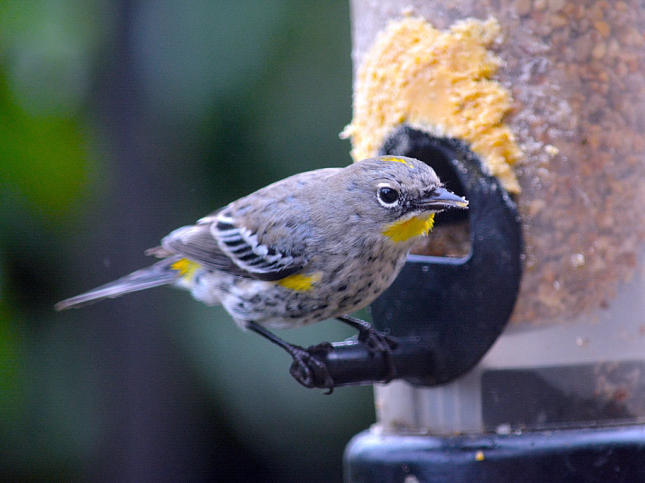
x: 310, y: 247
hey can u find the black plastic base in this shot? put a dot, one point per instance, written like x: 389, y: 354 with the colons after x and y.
x: 575, y: 455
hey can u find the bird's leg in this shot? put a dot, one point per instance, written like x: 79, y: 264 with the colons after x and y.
x: 376, y: 342
x: 307, y: 369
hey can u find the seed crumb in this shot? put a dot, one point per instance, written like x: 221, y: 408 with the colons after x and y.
x: 551, y: 150
x: 577, y: 260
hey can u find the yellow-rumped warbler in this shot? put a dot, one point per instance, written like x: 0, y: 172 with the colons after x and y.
x: 317, y: 245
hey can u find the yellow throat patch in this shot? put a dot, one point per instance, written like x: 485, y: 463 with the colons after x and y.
x: 185, y: 267
x: 401, y: 231
x: 299, y: 282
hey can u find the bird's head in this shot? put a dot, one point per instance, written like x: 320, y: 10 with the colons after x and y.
x: 401, y: 194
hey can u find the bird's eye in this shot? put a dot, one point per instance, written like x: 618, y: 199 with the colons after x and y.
x: 387, y: 196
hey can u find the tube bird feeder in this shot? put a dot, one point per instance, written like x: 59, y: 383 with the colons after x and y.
x: 538, y: 107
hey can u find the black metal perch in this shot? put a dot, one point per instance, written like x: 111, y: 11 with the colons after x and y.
x: 444, y: 313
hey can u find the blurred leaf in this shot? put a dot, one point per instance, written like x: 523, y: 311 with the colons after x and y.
x: 44, y: 157
x: 47, y: 47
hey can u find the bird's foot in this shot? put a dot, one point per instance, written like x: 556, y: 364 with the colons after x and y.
x: 376, y: 342
x: 308, y: 369
x: 380, y: 343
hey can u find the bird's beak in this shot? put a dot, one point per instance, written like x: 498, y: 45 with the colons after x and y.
x: 440, y: 199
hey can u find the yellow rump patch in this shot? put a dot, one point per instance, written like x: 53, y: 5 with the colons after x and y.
x: 401, y: 231
x: 185, y: 267
x: 299, y: 282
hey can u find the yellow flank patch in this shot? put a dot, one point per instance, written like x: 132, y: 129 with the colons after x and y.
x: 401, y: 231
x: 185, y: 267
x: 300, y: 282
x: 396, y: 159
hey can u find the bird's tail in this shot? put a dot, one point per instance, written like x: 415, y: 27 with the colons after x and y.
x: 161, y: 273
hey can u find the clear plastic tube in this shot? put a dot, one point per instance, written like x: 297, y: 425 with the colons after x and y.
x: 574, y: 353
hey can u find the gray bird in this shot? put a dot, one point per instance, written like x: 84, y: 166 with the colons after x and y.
x: 313, y: 246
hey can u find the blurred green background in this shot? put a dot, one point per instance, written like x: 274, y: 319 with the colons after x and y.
x: 120, y: 121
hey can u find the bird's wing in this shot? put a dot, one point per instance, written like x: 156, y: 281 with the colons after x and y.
x: 251, y: 253
x: 196, y: 243
x: 218, y: 243
x: 264, y: 235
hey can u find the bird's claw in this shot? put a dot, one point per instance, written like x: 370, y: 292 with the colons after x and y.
x: 309, y: 370
x: 377, y: 341
x: 380, y: 343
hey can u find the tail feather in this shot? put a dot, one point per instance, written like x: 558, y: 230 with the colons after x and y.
x: 161, y: 273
